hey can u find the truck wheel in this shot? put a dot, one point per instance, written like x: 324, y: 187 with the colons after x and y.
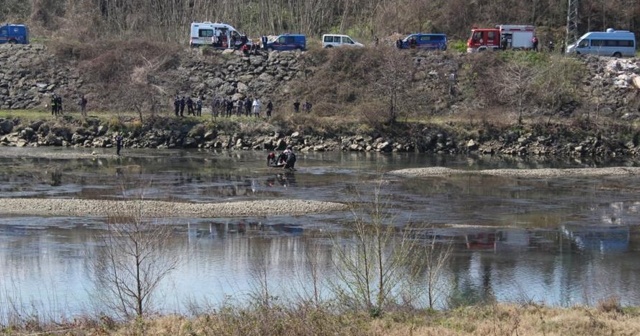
x: 269, y: 49
x: 329, y: 46
x: 617, y: 54
x: 12, y: 42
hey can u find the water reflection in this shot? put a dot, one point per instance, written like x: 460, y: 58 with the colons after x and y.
x: 560, y: 241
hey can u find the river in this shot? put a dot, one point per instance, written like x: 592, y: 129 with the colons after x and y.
x: 557, y: 241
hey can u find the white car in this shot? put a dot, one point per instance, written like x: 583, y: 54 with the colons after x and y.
x: 337, y: 40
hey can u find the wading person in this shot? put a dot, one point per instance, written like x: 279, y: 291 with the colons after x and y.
x: 118, y: 143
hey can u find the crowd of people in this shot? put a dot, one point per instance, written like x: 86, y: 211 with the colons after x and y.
x: 227, y: 107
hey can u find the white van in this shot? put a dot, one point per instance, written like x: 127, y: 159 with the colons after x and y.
x: 337, y: 40
x: 215, y: 34
x: 616, y: 43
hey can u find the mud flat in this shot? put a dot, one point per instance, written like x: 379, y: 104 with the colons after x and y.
x: 148, y: 208
x: 525, y: 173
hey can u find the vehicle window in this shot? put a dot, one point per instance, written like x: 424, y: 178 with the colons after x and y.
x: 625, y: 43
x: 336, y: 39
x: 583, y: 43
x: 205, y: 32
x: 477, y: 36
x: 599, y: 43
x: 328, y: 39
x: 491, y: 35
x: 347, y: 40
x: 281, y: 40
x: 3, y: 31
x: 425, y: 38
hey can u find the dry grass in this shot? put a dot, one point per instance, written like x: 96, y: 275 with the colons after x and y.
x: 501, y: 319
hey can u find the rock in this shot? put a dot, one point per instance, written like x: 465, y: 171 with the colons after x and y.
x: 6, y: 126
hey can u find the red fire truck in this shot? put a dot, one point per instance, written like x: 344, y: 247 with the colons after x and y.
x: 515, y: 37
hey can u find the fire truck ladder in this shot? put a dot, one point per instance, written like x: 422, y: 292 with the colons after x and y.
x: 572, y: 22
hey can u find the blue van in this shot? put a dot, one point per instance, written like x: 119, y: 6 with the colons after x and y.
x: 14, y: 34
x: 423, y: 41
x: 616, y: 43
x: 285, y: 42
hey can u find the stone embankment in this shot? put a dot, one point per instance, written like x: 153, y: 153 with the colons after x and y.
x: 31, y: 74
x: 95, y: 134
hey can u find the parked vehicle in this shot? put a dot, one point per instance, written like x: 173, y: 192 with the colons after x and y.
x: 215, y: 34
x: 519, y: 37
x: 285, y: 42
x: 337, y: 40
x: 616, y: 43
x: 14, y: 34
x: 427, y: 41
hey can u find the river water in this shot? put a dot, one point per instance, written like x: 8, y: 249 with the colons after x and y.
x: 558, y: 241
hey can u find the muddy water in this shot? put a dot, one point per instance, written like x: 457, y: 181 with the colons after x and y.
x: 560, y: 241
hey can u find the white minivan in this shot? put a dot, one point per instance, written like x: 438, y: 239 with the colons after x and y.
x: 337, y: 40
x: 616, y: 43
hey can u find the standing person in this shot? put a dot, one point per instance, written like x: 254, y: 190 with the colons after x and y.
x: 503, y: 42
x: 257, y: 105
x: 240, y: 107
x: 247, y: 106
x: 176, y: 105
x: 199, y: 107
x: 190, y: 106
x: 183, y: 103
x: 59, y: 105
x: 118, y: 143
x: 307, y: 106
x: 54, y: 102
x: 215, y: 105
x: 534, y: 42
x: 551, y: 46
x: 269, y: 108
x: 229, y: 107
x: 296, y: 106
x: 83, y: 106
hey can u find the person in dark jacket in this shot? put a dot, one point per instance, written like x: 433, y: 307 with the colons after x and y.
x: 247, y: 106
x: 291, y: 158
x: 269, y: 108
x: 183, y: 102
x: 190, y: 106
x: 176, y: 106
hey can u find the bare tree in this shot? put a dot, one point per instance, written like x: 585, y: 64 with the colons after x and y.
x: 514, y: 82
x: 379, y: 265
x: 132, y: 260
x: 393, y: 80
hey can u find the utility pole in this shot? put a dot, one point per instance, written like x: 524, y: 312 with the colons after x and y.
x: 572, y: 22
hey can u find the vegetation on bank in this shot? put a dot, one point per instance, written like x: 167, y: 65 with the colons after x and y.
x: 306, y: 319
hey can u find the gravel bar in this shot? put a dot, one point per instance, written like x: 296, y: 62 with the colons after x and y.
x: 533, y: 173
x: 148, y: 208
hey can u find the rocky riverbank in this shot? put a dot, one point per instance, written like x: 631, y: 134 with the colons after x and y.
x: 170, y: 133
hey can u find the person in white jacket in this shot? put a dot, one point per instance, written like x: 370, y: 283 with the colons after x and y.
x: 257, y: 105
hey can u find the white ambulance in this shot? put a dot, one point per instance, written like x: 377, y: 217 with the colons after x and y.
x: 215, y: 34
